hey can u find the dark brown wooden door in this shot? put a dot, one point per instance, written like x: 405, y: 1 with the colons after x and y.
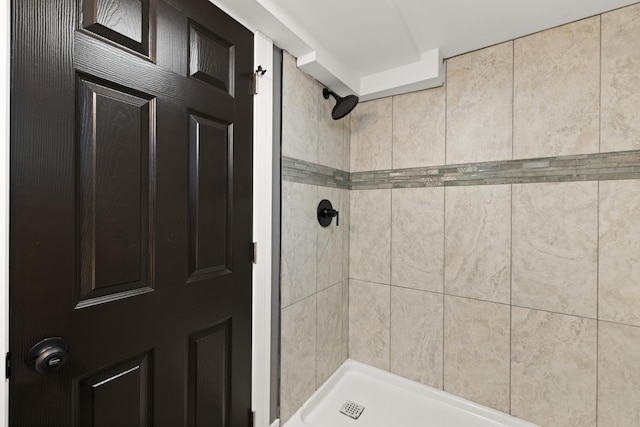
x: 131, y: 158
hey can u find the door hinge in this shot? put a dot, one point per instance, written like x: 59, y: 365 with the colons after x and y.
x: 254, y: 84
x: 254, y: 252
x: 7, y: 366
x: 252, y: 418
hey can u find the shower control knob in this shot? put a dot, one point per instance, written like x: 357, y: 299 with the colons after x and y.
x: 326, y: 213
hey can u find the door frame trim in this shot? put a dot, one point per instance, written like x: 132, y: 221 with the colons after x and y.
x: 5, y: 52
x: 262, y: 232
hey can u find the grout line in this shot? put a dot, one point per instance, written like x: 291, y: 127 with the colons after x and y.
x: 506, y: 304
x: 578, y: 316
x: 446, y: 113
x: 444, y: 212
x: 417, y: 289
x: 392, y: 129
x: 598, y: 256
x: 597, y: 300
x: 390, y: 250
x: 296, y: 302
x: 600, y: 93
x: 611, y: 322
x: 444, y: 264
x: 513, y: 98
x: 511, y: 299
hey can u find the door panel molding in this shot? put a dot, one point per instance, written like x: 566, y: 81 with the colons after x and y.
x: 121, y: 394
x: 129, y: 24
x: 115, y: 164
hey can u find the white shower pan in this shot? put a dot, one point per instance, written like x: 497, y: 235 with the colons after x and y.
x: 391, y: 401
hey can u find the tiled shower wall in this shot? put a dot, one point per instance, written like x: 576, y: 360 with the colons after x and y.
x: 523, y: 293
x: 314, y: 260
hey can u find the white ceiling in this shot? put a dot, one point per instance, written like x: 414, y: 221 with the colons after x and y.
x: 377, y: 48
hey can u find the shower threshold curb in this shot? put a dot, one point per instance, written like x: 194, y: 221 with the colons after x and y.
x: 391, y: 400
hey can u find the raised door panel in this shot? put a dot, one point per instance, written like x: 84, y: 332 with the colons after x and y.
x: 209, y: 377
x: 127, y: 23
x: 211, y: 58
x: 117, y: 396
x: 115, y: 197
x: 210, y: 197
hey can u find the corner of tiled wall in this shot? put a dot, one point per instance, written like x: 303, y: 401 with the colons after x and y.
x: 314, y: 260
x: 521, y: 295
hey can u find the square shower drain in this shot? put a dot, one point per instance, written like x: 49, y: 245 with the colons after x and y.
x: 352, y: 409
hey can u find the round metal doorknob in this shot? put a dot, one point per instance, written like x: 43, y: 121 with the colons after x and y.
x: 48, y: 355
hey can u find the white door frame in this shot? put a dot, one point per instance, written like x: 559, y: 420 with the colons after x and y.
x: 262, y: 215
x: 5, y: 40
x: 262, y: 208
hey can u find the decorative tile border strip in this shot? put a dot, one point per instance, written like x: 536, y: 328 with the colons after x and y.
x: 584, y: 167
x: 304, y: 172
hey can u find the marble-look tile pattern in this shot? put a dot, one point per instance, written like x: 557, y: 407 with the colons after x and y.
x: 619, y: 251
x: 582, y: 167
x: 332, y: 137
x: 557, y: 91
x: 555, y: 237
x: 620, y: 80
x: 370, y: 236
x: 329, y: 342
x: 478, y: 242
x: 330, y: 241
x: 371, y: 139
x: 417, y: 238
x: 298, y: 356
x: 618, y: 375
x: 419, y: 128
x: 553, y: 368
x: 345, y: 321
x: 300, y: 94
x: 479, y: 105
x: 417, y: 335
x: 298, y: 242
x: 476, y: 351
x: 346, y: 221
x: 369, y: 318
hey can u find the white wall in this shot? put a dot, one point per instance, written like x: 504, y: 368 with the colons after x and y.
x: 5, y: 23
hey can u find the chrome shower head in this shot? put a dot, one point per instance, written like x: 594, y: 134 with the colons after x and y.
x: 343, y: 105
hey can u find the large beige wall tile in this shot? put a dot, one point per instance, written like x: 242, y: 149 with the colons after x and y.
x: 555, y: 236
x: 345, y: 321
x: 621, y: 80
x: 371, y: 140
x: 329, y: 343
x: 345, y: 221
x: 478, y: 242
x: 369, y: 317
x: 557, y: 91
x: 298, y: 356
x: 298, y: 242
x: 476, y: 351
x: 618, y: 375
x: 300, y: 95
x: 330, y: 241
x: 419, y: 128
x: 619, y: 252
x: 417, y: 238
x: 416, y: 335
x: 370, y: 235
x: 553, y: 368
x: 479, y: 105
x: 332, y: 138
